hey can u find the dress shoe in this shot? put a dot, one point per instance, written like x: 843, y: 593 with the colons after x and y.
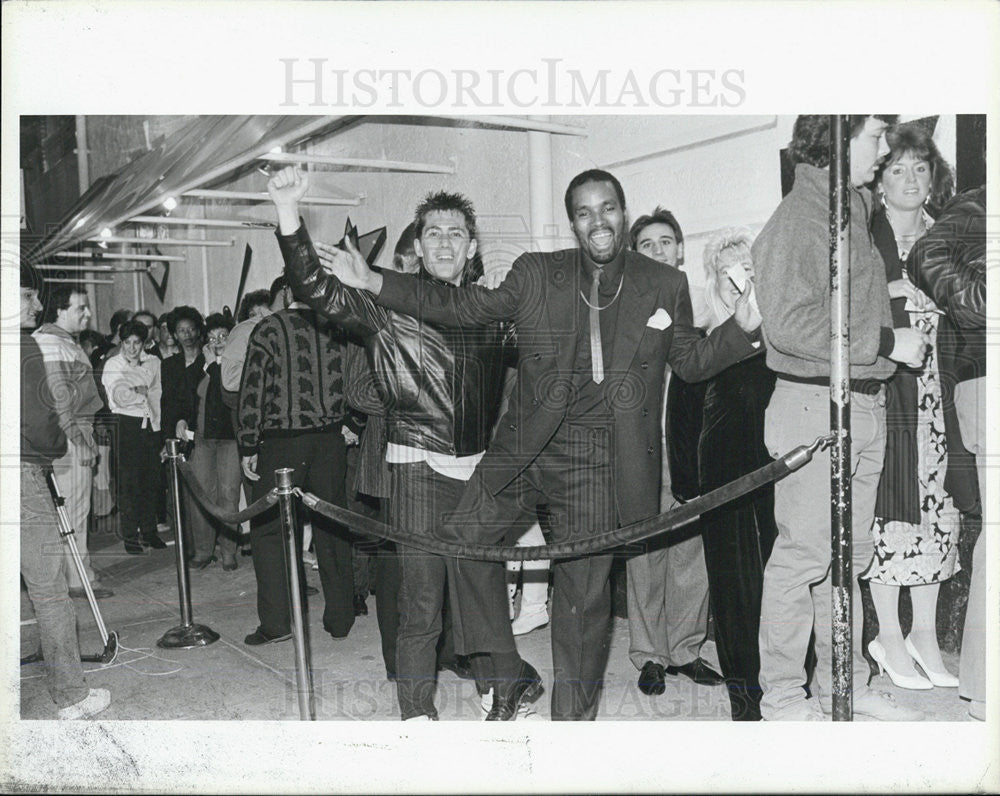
x: 524, y: 712
x: 360, y: 606
x: 530, y: 618
x: 651, y: 679
x: 229, y: 562
x: 133, y: 547
x: 914, y: 682
x: 942, y: 679
x: 699, y: 671
x: 100, y: 592
x: 258, y: 637
x: 525, y: 689
x: 246, y: 551
x: 459, y: 665
x: 201, y: 563
x: 154, y: 541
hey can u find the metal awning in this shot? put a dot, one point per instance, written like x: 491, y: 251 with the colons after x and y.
x: 205, y: 151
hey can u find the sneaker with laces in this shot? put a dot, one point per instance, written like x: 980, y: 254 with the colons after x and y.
x: 882, y: 706
x: 97, y: 700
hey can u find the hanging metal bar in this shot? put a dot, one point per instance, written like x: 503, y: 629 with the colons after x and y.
x: 840, y: 417
x: 363, y: 163
x: 85, y: 268
x: 163, y: 258
x: 203, y: 222
x: 251, y: 196
x: 80, y: 281
x: 520, y: 123
x: 162, y: 241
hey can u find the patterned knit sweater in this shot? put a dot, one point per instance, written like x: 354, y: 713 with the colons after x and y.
x: 292, y: 379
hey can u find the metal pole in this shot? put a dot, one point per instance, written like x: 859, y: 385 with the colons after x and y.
x: 186, y: 634
x: 303, y: 674
x: 840, y: 416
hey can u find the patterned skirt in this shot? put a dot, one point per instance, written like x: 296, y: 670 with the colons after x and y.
x: 908, y: 554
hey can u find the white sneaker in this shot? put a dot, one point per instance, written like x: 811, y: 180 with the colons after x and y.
x: 529, y: 619
x: 97, y: 700
x: 801, y: 710
x: 883, y: 707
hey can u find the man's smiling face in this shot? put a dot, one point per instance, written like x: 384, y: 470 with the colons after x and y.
x: 445, y: 245
x: 598, y: 221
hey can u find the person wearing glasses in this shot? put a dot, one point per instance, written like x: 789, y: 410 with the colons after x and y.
x: 215, y: 460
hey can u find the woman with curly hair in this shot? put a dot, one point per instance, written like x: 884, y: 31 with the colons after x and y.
x: 738, y: 536
x: 916, y: 522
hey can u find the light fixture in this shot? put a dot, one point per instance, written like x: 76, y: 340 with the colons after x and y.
x: 276, y: 150
x: 107, y: 232
x: 169, y: 203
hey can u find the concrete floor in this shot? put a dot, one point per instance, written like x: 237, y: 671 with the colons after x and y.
x: 228, y: 680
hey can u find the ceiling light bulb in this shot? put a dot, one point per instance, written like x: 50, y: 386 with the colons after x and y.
x: 169, y: 203
x: 276, y: 150
x: 107, y: 232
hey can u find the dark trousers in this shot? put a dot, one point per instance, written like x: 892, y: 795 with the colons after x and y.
x: 421, y: 498
x: 137, y: 476
x: 573, y: 475
x: 738, y: 537
x: 318, y: 460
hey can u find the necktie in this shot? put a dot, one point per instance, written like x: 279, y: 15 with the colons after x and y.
x: 596, y: 354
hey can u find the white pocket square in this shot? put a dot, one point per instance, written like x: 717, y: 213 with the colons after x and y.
x: 659, y: 320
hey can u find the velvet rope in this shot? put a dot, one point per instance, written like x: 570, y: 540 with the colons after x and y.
x: 233, y: 518
x: 644, y: 529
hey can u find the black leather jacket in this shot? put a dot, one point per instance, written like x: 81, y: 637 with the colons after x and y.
x: 441, y: 386
x: 949, y: 265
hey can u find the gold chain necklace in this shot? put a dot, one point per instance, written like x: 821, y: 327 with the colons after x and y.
x: 621, y: 281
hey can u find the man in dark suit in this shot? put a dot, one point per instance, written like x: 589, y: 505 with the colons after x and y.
x: 596, y: 327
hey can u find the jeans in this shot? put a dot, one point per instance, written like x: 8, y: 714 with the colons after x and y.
x: 970, y: 402
x: 216, y: 464
x: 43, y: 566
x: 421, y: 497
x: 797, y: 596
x: 76, y: 481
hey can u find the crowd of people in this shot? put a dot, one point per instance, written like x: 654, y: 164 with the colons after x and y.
x: 573, y: 393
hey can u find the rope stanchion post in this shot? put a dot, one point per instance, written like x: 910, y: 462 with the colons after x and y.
x: 303, y: 673
x: 187, y: 634
x: 840, y: 418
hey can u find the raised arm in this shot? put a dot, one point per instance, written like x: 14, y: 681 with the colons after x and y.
x: 346, y: 306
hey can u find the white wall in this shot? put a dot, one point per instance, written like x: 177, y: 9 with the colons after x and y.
x: 711, y: 171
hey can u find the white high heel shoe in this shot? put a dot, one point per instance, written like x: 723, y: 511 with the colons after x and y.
x: 914, y: 682
x: 943, y: 679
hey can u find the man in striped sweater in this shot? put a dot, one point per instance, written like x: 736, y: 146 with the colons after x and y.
x: 290, y: 413
x: 71, y: 380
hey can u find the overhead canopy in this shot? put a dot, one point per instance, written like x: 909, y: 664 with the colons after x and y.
x: 209, y: 148
x: 212, y: 148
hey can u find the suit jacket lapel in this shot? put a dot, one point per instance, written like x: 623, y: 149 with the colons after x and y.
x: 637, y: 299
x: 562, y: 288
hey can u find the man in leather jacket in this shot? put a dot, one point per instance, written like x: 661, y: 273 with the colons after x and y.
x: 949, y: 265
x: 441, y: 389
